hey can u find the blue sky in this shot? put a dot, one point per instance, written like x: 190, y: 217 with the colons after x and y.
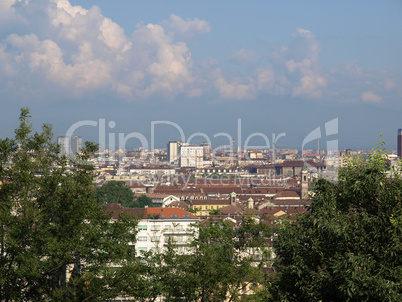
x: 279, y: 66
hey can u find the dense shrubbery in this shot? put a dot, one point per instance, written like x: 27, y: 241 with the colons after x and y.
x: 349, y: 247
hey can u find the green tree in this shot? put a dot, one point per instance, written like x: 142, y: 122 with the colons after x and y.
x: 144, y: 201
x: 348, y: 247
x: 119, y: 192
x: 193, y: 210
x: 56, y: 241
x: 215, y: 212
x: 116, y: 192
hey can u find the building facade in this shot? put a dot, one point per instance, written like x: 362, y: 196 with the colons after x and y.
x: 191, y: 157
x: 173, y: 149
x: 163, y: 225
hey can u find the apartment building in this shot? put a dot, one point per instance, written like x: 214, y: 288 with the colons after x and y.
x: 191, y: 157
x: 159, y: 226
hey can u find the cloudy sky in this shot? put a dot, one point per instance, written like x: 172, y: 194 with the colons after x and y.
x: 278, y: 66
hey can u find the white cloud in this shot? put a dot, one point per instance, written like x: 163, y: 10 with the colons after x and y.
x: 371, y: 97
x: 6, y: 7
x: 353, y: 69
x: 352, y: 83
x: 311, y: 86
x: 306, y: 47
x: 389, y: 84
x: 243, y: 57
x: 167, y: 66
x: 77, y: 52
x: 7, y: 69
x: 88, y: 53
x: 295, y: 70
x: 65, y: 12
x: 265, y: 79
x: 186, y: 28
x: 45, y: 58
x: 237, y: 89
x: 113, y: 36
x: 304, y: 65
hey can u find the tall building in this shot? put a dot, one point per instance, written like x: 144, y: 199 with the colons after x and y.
x: 399, y: 143
x: 173, y: 152
x: 75, y: 144
x: 69, y: 145
x: 64, y: 143
x: 191, y: 156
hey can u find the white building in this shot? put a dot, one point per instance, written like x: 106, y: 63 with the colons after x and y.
x: 152, y: 171
x: 163, y: 225
x: 191, y: 156
x: 159, y: 226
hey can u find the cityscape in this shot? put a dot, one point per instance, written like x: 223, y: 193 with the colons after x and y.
x: 200, y: 151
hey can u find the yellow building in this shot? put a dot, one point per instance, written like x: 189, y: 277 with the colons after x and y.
x: 203, y: 206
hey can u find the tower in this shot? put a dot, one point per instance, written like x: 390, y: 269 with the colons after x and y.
x: 399, y: 143
x: 250, y: 203
x: 75, y: 144
x: 304, y: 183
x: 232, y: 198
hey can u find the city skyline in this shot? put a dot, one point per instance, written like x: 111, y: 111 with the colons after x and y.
x: 280, y: 68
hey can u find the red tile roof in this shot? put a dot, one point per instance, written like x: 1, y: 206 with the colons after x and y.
x: 169, y: 211
x: 117, y: 209
x: 287, y: 194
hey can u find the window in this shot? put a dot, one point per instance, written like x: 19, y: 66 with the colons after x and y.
x: 142, y: 227
x: 155, y: 239
x: 179, y: 228
x: 185, y: 216
x: 155, y: 227
x: 178, y: 239
x: 166, y: 228
x: 142, y: 238
x: 174, y: 216
x: 163, y: 216
x: 142, y: 249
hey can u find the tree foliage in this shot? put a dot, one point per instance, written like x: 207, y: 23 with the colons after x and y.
x: 348, y: 248
x: 56, y: 241
x: 119, y: 192
x: 215, y: 212
x: 144, y: 201
x: 116, y: 192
